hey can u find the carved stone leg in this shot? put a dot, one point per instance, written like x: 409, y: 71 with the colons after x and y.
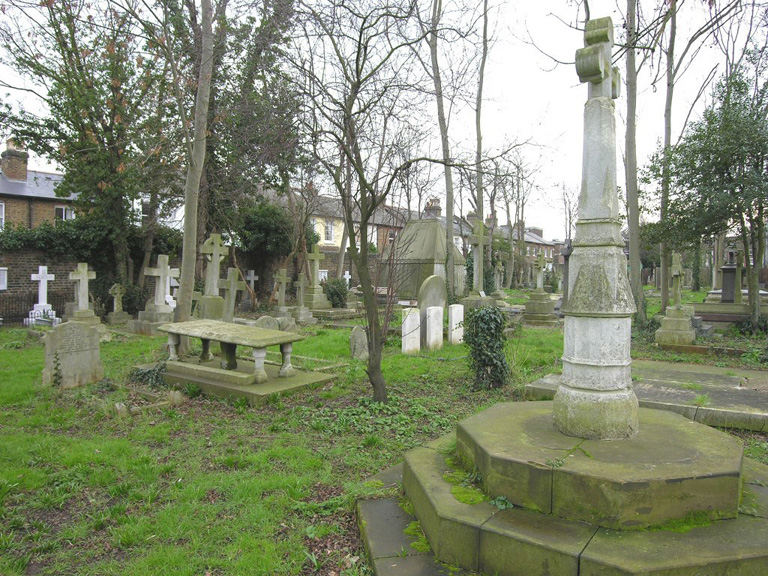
x: 228, y: 356
x: 205, y: 355
x: 258, y: 359
x: 286, y: 369
x: 173, y: 346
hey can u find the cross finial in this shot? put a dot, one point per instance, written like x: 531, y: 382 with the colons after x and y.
x: 593, y: 62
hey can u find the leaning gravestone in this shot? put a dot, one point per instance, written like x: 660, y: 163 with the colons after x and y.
x: 72, y: 355
x: 431, y: 293
x: 358, y: 344
x: 268, y: 323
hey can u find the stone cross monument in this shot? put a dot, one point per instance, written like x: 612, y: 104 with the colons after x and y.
x: 231, y: 286
x: 595, y: 398
x: 478, y: 241
x: 81, y: 275
x: 162, y: 272
x: 677, y: 280
x: 540, y: 264
x: 215, y: 250
x: 282, y: 281
x: 300, y: 285
x: 315, y: 297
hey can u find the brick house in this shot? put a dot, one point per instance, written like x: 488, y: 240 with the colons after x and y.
x: 28, y: 197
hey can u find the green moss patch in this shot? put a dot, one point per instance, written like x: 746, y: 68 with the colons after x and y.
x: 421, y: 544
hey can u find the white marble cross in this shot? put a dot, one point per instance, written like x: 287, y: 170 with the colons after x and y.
x: 251, y: 278
x: 42, y: 277
x: 162, y: 272
x: 215, y: 250
x: 347, y: 277
x: 81, y: 275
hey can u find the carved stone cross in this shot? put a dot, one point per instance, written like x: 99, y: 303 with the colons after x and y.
x: 251, y: 278
x: 231, y: 285
x: 81, y: 275
x: 214, y: 250
x: 282, y: 280
x: 42, y: 277
x: 117, y: 291
x: 162, y: 272
x: 677, y: 279
x: 300, y: 285
x: 478, y: 240
x: 540, y: 264
x: 315, y: 257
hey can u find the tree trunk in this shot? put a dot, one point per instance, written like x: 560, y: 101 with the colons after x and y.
x: 195, y: 167
x: 149, y: 237
x: 635, y: 267
x: 478, y: 132
x: 665, y: 174
x: 443, y: 124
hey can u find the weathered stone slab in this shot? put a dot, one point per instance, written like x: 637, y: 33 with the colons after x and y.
x: 411, y: 331
x: 358, y: 344
x: 72, y: 355
x: 455, y: 324
x: 268, y: 323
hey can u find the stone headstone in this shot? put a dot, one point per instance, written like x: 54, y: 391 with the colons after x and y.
x: 231, y: 286
x: 677, y: 280
x: 455, y: 324
x: 72, y: 355
x: 282, y: 280
x: 214, y: 251
x: 411, y: 331
x: 268, y: 323
x: 287, y: 324
x: 478, y: 241
x: 117, y: 316
x: 595, y: 398
x: 315, y: 297
x: 347, y: 278
x: 302, y: 313
x: 434, y: 339
x: 540, y: 265
x: 358, y: 344
x: 431, y: 293
x: 251, y: 278
x: 81, y: 276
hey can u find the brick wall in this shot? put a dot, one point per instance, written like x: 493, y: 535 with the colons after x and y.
x: 31, y: 212
x: 22, y: 264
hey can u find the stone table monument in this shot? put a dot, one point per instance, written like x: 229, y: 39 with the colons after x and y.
x: 315, y: 297
x: 211, y: 303
x: 540, y: 308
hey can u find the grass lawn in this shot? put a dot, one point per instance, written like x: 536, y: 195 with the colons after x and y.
x: 216, y: 487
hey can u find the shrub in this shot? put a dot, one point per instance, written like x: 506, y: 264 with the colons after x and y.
x: 484, y: 334
x: 336, y: 290
x: 749, y: 328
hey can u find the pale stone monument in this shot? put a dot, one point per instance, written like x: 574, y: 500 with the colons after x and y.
x: 315, y: 298
x: 83, y: 312
x: 677, y: 324
x: 117, y: 316
x: 540, y: 308
x: 595, y: 398
x: 282, y: 280
x: 455, y: 324
x: 411, y: 331
x: 231, y: 286
x: 211, y: 303
x: 267, y: 322
x: 302, y: 313
x: 431, y: 293
x: 434, y: 332
x: 157, y: 311
x: 358, y: 344
x: 72, y: 355
x: 498, y: 281
x: 42, y: 313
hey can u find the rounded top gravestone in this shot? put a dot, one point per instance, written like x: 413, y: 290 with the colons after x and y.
x: 432, y: 293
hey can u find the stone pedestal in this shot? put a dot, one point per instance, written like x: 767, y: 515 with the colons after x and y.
x: 155, y: 315
x: 315, y: 298
x: 121, y: 317
x: 540, y: 310
x: 676, y: 327
x: 303, y: 315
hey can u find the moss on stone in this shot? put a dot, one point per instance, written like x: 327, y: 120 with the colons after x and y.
x: 686, y: 524
x: 421, y: 544
x: 464, y: 484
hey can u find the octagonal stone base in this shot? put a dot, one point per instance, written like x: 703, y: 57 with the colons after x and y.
x: 670, y: 469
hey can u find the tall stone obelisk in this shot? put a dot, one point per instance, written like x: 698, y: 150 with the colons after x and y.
x: 595, y: 398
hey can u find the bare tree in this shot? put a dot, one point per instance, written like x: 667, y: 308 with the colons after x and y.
x: 358, y: 81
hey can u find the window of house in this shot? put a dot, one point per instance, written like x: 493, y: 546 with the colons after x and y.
x: 2, y: 215
x: 322, y: 275
x: 393, y: 234
x: 64, y: 213
x: 3, y: 278
x: 329, y: 230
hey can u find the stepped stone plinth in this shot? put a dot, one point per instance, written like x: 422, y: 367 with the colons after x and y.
x: 676, y: 327
x: 540, y: 310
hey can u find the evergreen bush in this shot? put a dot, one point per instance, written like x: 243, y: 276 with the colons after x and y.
x: 336, y: 290
x: 484, y: 334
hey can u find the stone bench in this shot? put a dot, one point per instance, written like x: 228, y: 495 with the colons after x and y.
x: 230, y: 336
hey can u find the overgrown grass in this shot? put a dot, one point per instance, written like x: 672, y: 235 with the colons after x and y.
x: 215, y: 486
